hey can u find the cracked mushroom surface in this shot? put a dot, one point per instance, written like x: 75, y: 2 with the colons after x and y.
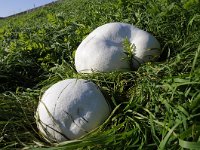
x: 70, y: 109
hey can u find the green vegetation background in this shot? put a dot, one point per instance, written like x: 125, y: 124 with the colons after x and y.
x: 155, y: 107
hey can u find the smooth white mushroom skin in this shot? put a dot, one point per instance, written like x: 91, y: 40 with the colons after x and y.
x: 102, y: 50
x: 71, y: 108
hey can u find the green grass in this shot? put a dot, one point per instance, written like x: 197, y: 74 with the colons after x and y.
x: 155, y: 107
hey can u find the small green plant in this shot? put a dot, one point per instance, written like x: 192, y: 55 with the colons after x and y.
x: 129, y: 50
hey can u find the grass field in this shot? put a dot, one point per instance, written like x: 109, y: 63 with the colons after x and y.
x: 155, y: 107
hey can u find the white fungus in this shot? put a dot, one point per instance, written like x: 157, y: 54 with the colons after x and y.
x: 70, y: 109
x: 103, y: 51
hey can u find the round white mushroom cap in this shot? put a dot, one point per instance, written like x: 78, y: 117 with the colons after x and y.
x: 70, y: 109
x: 103, y: 51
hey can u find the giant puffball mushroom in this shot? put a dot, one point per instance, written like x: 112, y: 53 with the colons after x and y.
x: 69, y: 109
x: 103, y: 51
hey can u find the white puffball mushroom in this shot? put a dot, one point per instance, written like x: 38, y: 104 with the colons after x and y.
x: 103, y: 51
x: 70, y: 109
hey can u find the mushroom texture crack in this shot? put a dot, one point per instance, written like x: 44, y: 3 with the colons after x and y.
x: 46, y: 127
x: 71, y: 117
x: 58, y: 98
x: 79, y: 114
x: 102, y: 50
